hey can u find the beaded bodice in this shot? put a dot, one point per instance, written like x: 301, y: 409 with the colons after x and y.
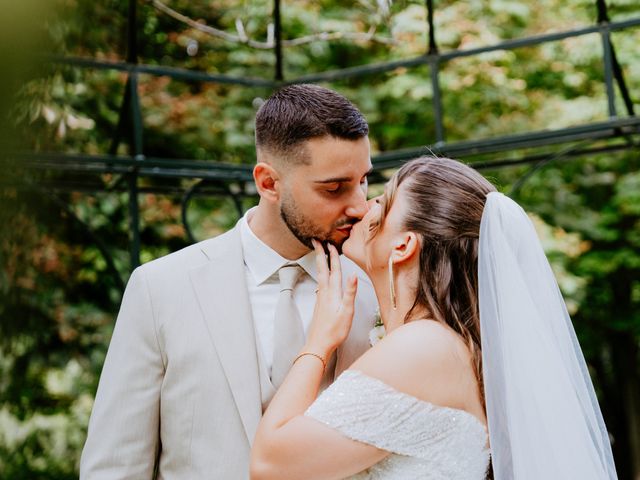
x: 426, y: 441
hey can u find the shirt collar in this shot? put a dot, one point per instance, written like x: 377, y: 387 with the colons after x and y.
x: 261, y: 260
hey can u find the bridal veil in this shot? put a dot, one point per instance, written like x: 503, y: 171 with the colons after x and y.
x: 543, y: 415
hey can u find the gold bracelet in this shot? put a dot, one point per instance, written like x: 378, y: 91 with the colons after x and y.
x: 324, y: 364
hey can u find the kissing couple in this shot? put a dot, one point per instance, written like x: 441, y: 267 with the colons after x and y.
x: 247, y: 355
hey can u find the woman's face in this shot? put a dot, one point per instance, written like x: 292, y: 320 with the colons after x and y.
x: 372, y: 253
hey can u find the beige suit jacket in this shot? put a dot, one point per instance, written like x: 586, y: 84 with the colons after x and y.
x: 180, y: 384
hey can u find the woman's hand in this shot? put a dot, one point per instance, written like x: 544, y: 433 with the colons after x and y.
x: 289, y: 445
x: 334, y: 308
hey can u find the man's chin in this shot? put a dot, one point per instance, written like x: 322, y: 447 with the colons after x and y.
x: 338, y: 242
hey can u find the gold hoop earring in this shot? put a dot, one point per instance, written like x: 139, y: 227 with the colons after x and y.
x: 392, y: 286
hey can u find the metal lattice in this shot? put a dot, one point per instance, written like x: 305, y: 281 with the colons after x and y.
x: 618, y: 132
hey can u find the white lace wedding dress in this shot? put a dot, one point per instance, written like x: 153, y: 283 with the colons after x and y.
x: 426, y: 441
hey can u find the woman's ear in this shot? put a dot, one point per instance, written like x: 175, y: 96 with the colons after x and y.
x: 266, y: 179
x: 406, y: 246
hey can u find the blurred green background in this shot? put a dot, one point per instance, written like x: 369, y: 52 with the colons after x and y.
x: 58, y: 294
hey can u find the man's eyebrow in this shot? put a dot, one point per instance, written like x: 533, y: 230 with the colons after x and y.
x: 342, y: 179
x: 334, y: 180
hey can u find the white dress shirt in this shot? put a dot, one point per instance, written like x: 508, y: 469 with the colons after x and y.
x: 261, y: 269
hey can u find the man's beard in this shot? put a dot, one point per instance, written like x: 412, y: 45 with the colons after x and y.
x: 304, y: 229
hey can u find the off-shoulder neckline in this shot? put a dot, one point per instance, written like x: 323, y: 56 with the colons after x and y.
x: 413, y: 397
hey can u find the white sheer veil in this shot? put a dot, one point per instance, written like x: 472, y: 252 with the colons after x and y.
x: 543, y: 415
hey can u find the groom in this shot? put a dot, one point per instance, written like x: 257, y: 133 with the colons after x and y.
x: 201, y: 342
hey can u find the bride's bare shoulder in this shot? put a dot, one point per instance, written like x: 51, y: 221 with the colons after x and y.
x: 417, y: 342
x: 423, y: 358
x: 418, y: 332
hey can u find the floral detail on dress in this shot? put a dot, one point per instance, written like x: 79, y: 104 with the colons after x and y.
x: 378, y: 332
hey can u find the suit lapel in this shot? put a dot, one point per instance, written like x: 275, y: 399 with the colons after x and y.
x: 221, y: 290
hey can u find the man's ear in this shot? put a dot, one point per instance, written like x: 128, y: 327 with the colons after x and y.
x: 405, y: 247
x: 267, y: 181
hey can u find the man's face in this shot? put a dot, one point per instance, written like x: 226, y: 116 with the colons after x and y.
x: 324, y: 198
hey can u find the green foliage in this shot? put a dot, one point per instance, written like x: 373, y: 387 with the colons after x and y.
x: 59, y: 294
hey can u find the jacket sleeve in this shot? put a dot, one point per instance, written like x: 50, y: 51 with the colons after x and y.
x: 123, y: 435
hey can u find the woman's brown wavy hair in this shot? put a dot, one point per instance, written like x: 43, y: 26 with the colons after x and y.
x: 446, y: 199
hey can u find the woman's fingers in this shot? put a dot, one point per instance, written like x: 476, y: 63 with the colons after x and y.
x: 349, y: 297
x: 321, y: 264
x: 335, y: 259
x: 335, y: 277
x: 329, y: 276
x: 333, y: 312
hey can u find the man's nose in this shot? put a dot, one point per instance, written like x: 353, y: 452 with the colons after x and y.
x: 358, y: 206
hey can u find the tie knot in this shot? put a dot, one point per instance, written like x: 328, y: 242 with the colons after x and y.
x: 289, y: 275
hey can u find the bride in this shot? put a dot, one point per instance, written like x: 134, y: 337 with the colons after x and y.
x: 479, y: 373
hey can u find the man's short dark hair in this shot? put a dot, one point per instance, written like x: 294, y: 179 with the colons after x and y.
x: 297, y: 113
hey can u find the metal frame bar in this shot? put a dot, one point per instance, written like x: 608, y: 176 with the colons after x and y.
x: 136, y: 147
x: 378, y: 176
x: 212, y: 170
x: 192, y: 75
x: 602, y: 130
x: 434, y: 73
x: 608, y: 71
x: 277, y: 27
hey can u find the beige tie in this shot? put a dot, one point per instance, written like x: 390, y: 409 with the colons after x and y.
x: 288, y: 330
